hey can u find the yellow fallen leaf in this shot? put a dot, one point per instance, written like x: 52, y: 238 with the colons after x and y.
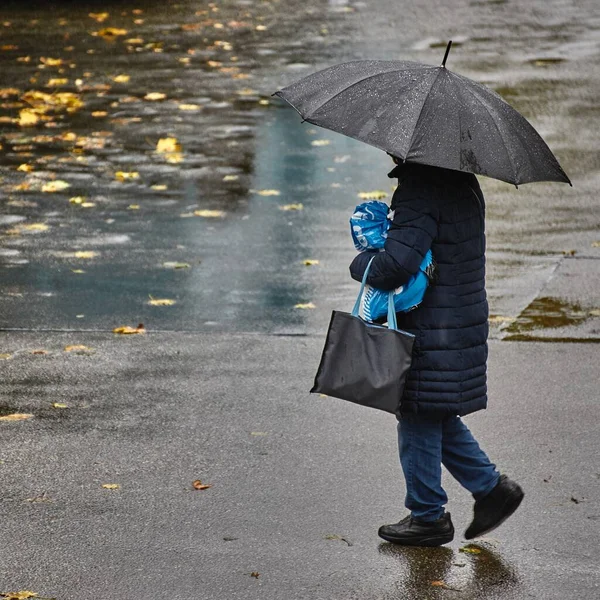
x: 121, y: 78
x: 27, y: 117
x: 595, y: 244
x: 134, y: 41
x: 99, y: 114
x: 165, y: 145
x: 470, y: 550
x: 231, y: 177
x: 85, y: 254
x: 174, y: 157
x: 264, y: 102
x: 51, y: 62
x: 189, y: 107
x: 100, y: 17
x: 209, y: 214
x: 57, y: 82
x: 34, y: 227
x: 59, y: 405
x: 298, y: 206
x: 127, y: 175
x: 198, y: 485
x: 309, y: 262
x: 23, y: 595
x: 77, y: 200
x: 111, y: 486
x: 78, y: 348
x: 154, y: 96
x: 307, y: 306
x: 126, y: 330
x: 39, y: 351
x: 25, y: 168
x: 375, y: 195
x: 159, y: 187
x: 320, y: 143
x: 78, y: 271
x: 16, y: 417
x: 161, y: 301
x: 267, y: 192
x: 595, y: 312
x: 133, y: 207
x: 57, y: 101
x: 5, y: 356
x: 111, y: 32
x: 55, y: 186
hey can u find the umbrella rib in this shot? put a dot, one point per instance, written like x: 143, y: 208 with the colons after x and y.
x: 497, y: 129
x: 356, y: 83
x: 421, y: 111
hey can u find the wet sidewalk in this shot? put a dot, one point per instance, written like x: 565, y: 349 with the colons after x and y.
x: 99, y: 500
x: 148, y: 176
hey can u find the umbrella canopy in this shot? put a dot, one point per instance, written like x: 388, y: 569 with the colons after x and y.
x: 426, y: 114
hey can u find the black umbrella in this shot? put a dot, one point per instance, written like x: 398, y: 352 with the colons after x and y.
x: 427, y: 115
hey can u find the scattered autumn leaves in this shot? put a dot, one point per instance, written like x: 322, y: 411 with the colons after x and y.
x: 16, y: 417
x: 22, y: 595
x: 128, y: 330
x: 198, y: 485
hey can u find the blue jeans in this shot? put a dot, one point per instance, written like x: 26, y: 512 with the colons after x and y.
x: 425, y: 444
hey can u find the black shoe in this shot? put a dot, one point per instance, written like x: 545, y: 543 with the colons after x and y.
x: 492, y: 510
x: 414, y: 532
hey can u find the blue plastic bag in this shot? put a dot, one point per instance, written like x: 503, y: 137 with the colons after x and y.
x: 369, y: 225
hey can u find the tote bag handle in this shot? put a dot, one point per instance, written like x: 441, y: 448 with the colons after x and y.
x: 391, y: 318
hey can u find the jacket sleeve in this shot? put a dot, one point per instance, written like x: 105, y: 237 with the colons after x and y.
x: 409, y: 238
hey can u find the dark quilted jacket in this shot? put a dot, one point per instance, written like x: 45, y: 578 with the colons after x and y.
x: 439, y: 209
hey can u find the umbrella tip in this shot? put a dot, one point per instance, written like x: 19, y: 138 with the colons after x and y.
x: 447, y: 52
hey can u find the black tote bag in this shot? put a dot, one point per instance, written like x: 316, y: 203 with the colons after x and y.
x: 363, y: 362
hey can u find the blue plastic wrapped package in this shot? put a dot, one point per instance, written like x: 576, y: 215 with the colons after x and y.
x: 369, y: 225
x: 374, y: 302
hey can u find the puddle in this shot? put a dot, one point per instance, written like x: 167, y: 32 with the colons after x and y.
x: 435, y: 572
x: 549, y: 313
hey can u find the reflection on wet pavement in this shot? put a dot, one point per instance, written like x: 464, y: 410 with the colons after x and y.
x: 475, y: 572
x: 144, y: 158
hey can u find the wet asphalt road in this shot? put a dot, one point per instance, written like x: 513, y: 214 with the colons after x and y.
x: 291, y: 474
x: 216, y: 68
x: 216, y: 390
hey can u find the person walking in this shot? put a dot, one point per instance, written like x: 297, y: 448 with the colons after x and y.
x: 441, y: 210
